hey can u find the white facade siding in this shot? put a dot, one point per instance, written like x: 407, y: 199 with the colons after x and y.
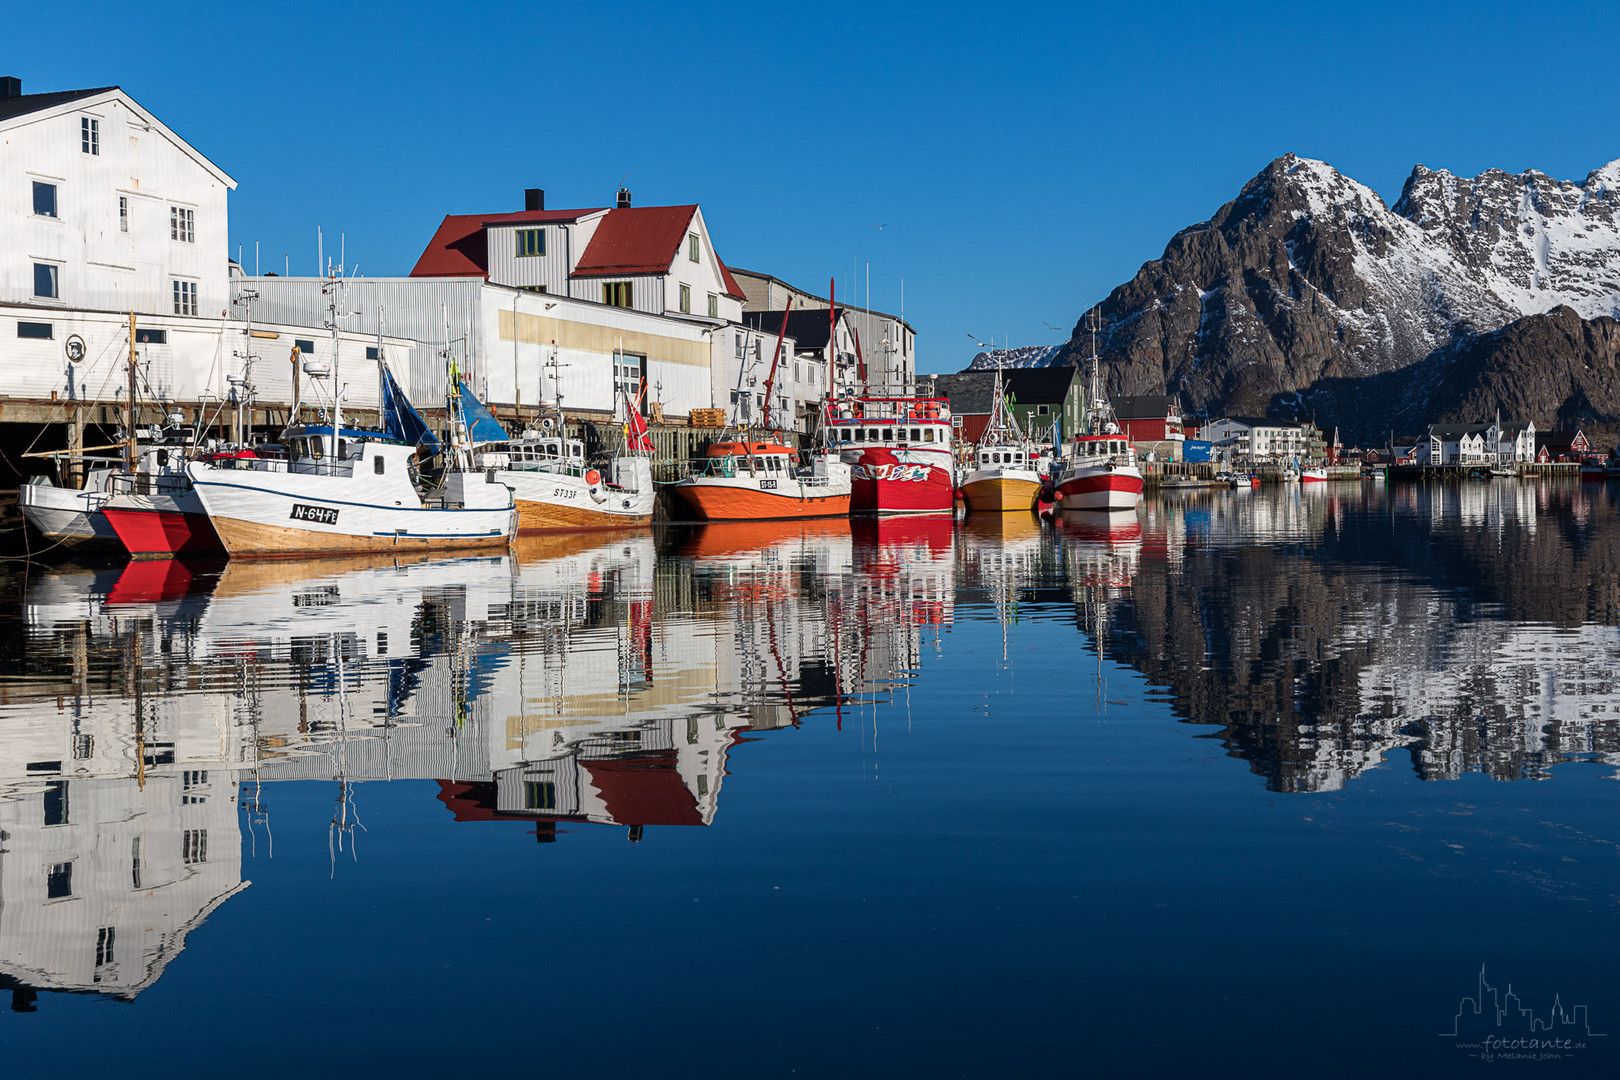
x: 100, y: 266
x: 192, y: 364
x: 505, y: 339
x: 417, y: 309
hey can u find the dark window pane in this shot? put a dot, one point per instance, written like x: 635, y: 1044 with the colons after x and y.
x: 59, y: 881
x: 44, y: 280
x: 56, y: 803
x: 44, y: 199
x: 41, y: 330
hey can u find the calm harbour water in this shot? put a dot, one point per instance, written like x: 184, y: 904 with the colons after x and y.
x: 1243, y: 781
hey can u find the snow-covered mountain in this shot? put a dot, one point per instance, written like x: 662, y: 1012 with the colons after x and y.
x: 1022, y: 356
x: 1307, y: 293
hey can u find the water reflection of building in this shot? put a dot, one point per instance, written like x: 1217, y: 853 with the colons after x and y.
x: 118, y: 830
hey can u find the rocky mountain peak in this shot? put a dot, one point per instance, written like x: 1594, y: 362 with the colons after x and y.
x: 1306, y: 286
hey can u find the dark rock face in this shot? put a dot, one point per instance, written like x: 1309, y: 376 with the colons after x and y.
x: 1306, y: 296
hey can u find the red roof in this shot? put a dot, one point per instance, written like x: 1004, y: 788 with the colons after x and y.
x: 732, y: 288
x: 636, y: 240
x: 459, y: 249
x: 644, y: 790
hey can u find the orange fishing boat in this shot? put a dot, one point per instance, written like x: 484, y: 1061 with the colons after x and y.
x: 746, y: 480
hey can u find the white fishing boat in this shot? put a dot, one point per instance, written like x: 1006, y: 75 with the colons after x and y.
x: 342, y: 489
x: 71, y: 516
x: 553, y: 484
x: 1098, y: 470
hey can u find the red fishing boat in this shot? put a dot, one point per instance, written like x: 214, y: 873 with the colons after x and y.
x: 899, y: 451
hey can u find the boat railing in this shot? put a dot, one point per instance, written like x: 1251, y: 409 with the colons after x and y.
x: 148, y: 483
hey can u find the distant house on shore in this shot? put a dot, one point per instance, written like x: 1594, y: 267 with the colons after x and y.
x: 1561, y: 446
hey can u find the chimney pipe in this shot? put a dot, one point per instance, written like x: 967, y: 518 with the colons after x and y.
x: 624, y: 198
x: 534, y: 199
x: 10, y: 87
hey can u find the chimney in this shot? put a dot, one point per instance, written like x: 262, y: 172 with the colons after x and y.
x: 624, y: 198
x: 534, y: 199
x: 10, y: 87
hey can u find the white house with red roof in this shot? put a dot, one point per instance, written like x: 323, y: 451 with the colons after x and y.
x: 582, y: 305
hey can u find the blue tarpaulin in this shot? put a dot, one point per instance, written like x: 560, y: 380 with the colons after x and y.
x: 482, y: 427
x: 1196, y: 450
x: 400, y: 420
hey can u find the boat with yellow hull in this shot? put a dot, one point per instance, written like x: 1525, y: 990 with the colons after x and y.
x: 1006, y: 491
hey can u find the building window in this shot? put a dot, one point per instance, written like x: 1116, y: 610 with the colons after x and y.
x: 531, y: 242
x: 40, y: 330
x: 616, y: 293
x: 45, y: 284
x: 539, y: 795
x: 44, y: 199
x: 742, y: 346
x: 691, y: 246
x: 686, y: 299
x: 59, y: 881
x: 185, y: 298
x: 627, y: 376
x: 194, y: 846
x: 305, y: 348
x: 151, y: 337
x: 123, y: 213
x: 1042, y: 410
x: 90, y: 135
x: 56, y: 803
x: 182, y: 224
x: 714, y: 306
x: 105, y: 939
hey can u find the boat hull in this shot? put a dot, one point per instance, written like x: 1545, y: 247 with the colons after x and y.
x: 68, y: 517
x: 162, y: 526
x: 901, y: 488
x: 1101, y: 489
x: 722, y: 499
x: 276, y: 514
x: 1001, y: 493
x: 550, y: 502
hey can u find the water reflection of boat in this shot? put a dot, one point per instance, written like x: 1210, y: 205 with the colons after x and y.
x: 1102, y: 547
x: 721, y: 538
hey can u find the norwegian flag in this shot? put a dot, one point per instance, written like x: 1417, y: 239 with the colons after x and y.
x: 635, y: 426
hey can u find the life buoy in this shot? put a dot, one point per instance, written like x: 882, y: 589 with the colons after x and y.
x: 593, y: 481
x: 592, y: 477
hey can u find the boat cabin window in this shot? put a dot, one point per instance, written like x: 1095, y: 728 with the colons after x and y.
x: 317, y: 448
x: 888, y: 434
x: 576, y: 450
x: 928, y: 434
x: 377, y: 464
x: 903, y: 434
x: 343, y: 449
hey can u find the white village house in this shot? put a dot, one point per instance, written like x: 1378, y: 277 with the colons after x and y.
x: 1477, y: 444
x: 1250, y: 440
x: 104, y: 212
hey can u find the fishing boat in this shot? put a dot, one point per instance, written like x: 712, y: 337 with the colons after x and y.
x: 553, y: 485
x: 342, y: 490
x: 72, y: 517
x: 898, y: 450
x: 155, y: 510
x: 1312, y: 474
x: 1098, y: 470
x: 1004, y: 472
x: 754, y: 475
x: 743, y: 479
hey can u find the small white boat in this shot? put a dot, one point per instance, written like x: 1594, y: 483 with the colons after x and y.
x: 68, y: 516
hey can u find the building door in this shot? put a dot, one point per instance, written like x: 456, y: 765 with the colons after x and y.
x: 629, y: 378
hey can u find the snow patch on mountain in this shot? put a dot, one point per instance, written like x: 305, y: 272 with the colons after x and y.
x: 1022, y: 356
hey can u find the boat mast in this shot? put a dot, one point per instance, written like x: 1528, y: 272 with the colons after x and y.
x: 129, y: 428
x: 776, y: 356
x: 337, y: 380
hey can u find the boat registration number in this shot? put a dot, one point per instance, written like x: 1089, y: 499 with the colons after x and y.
x: 321, y: 515
x: 767, y: 485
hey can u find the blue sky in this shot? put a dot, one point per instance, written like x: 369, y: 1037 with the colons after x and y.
x: 1023, y: 159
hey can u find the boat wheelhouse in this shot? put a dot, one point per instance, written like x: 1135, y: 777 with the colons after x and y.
x: 899, y: 453
x: 1099, y: 473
